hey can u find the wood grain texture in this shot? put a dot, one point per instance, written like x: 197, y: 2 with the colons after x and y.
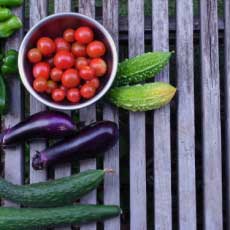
x: 213, y: 217
x: 14, y: 168
x: 227, y: 104
x: 111, y: 160
x: 62, y: 170
x: 38, y: 10
x: 138, y: 215
x: 88, y: 115
x: 162, y: 143
x: 185, y: 116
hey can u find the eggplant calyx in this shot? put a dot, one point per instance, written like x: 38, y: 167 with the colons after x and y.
x: 37, y: 162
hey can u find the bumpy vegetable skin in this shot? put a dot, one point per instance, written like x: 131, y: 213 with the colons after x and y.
x: 144, y: 97
x: 5, y: 14
x: 2, y: 95
x: 10, y: 62
x: 11, y: 3
x: 91, y: 141
x: 47, y: 124
x: 141, y: 68
x: 28, y: 218
x: 53, y: 193
x: 8, y: 27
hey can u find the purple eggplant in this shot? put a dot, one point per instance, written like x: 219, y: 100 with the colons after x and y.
x: 47, y: 124
x: 90, y: 142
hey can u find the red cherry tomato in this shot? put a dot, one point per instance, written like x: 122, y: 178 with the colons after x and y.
x: 84, y: 35
x: 50, y: 61
x: 41, y: 69
x: 63, y: 59
x: 99, y: 65
x: 46, y: 46
x: 56, y: 74
x: 78, y: 50
x: 70, y: 78
x: 94, y: 82
x: 95, y: 49
x: 51, y: 85
x: 73, y: 95
x: 87, y: 73
x: 87, y: 91
x: 68, y: 35
x: 58, y: 95
x: 34, y: 55
x: 81, y: 62
x: 62, y: 44
x: 40, y: 84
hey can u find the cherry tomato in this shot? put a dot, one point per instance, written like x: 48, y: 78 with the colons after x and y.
x: 81, y: 62
x: 56, y: 74
x: 46, y: 46
x: 99, y: 65
x: 58, y: 95
x: 70, y: 78
x: 87, y: 91
x: 63, y: 59
x: 84, y: 35
x: 34, y: 55
x: 87, y: 73
x: 94, y: 82
x: 62, y: 44
x: 51, y: 85
x: 68, y: 35
x: 78, y: 50
x: 73, y: 95
x: 40, y: 84
x: 50, y: 61
x: 95, y: 49
x: 41, y: 69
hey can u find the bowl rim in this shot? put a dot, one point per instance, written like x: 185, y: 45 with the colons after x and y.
x: 80, y: 105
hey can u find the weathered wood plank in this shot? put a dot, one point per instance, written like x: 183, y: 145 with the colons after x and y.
x: 138, y: 216
x: 14, y: 156
x: 185, y: 116
x: 111, y: 160
x: 64, y: 169
x: 38, y: 10
x: 227, y: 103
x: 88, y: 115
x: 162, y: 149
x: 211, y: 127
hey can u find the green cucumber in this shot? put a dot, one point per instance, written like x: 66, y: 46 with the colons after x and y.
x: 30, y: 218
x: 144, y: 97
x: 3, y: 104
x: 141, y: 68
x: 53, y: 193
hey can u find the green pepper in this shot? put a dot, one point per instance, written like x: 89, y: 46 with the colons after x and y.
x: 10, y: 62
x: 5, y: 14
x: 11, y: 3
x: 2, y: 96
x: 7, y: 28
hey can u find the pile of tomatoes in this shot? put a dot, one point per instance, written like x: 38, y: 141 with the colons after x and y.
x: 68, y: 67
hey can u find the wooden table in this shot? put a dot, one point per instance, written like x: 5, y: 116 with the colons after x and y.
x: 192, y: 202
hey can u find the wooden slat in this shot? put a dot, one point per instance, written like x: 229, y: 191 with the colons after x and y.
x: 88, y: 115
x: 138, y: 214
x: 111, y: 160
x: 38, y: 10
x: 64, y: 169
x: 14, y: 156
x: 185, y: 118
x: 162, y: 149
x: 211, y: 126
x: 227, y: 103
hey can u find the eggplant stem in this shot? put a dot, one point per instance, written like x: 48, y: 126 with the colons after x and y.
x: 108, y: 170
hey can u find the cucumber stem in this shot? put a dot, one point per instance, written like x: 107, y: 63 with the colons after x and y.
x: 108, y: 170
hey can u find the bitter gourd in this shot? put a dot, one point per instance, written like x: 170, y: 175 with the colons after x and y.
x: 144, y: 97
x: 141, y: 68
